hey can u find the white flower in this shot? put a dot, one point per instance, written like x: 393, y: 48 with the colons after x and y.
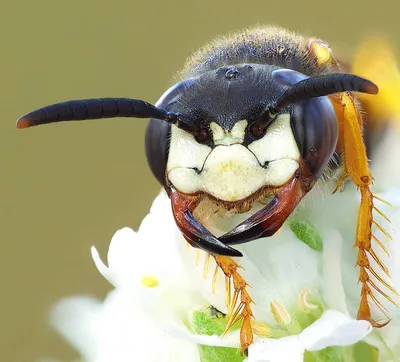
x: 154, y: 299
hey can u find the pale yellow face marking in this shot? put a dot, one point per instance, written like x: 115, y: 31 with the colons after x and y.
x: 226, y: 138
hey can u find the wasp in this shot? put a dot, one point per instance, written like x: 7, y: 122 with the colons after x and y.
x: 255, y: 119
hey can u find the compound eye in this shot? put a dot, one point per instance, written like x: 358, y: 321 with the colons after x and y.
x: 158, y: 132
x: 315, y: 128
x: 202, y: 135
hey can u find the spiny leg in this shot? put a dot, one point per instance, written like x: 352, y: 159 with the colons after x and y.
x: 356, y: 167
x: 240, y: 303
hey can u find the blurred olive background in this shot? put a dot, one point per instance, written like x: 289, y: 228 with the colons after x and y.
x: 65, y: 187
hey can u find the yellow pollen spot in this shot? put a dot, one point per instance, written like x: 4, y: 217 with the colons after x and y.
x: 261, y: 329
x: 281, y: 315
x: 322, y: 52
x: 303, y: 302
x: 149, y: 281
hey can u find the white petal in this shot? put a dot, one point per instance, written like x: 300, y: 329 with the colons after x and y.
x: 388, y: 351
x: 386, y: 157
x: 332, y: 284
x: 128, y: 334
x: 120, y: 247
x: 78, y: 319
x: 334, y: 329
x: 277, y: 350
x: 120, y: 329
x: 101, y: 267
x: 124, y: 265
x: 232, y: 339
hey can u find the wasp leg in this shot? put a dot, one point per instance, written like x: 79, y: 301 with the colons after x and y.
x: 239, y: 308
x: 356, y: 167
x: 193, y: 231
x: 269, y: 219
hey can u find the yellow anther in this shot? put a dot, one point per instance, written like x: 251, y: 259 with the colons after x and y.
x: 214, y: 282
x: 149, y: 281
x: 303, y: 302
x: 281, y: 315
x: 197, y: 256
x: 206, y: 266
x: 261, y: 329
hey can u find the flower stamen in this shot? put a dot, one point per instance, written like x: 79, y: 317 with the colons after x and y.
x: 206, y: 266
x: 214, y: 281
x: 303, y: 302
x: 228, y: 292
x: 279, y: 312
x: 261, y: 329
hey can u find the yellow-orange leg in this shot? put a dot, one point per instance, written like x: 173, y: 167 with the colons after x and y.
x: 239, y: 307
x: 356, y: 167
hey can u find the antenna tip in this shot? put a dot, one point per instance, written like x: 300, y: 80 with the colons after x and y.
x: 23, y: 122
x: 370, y: 88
